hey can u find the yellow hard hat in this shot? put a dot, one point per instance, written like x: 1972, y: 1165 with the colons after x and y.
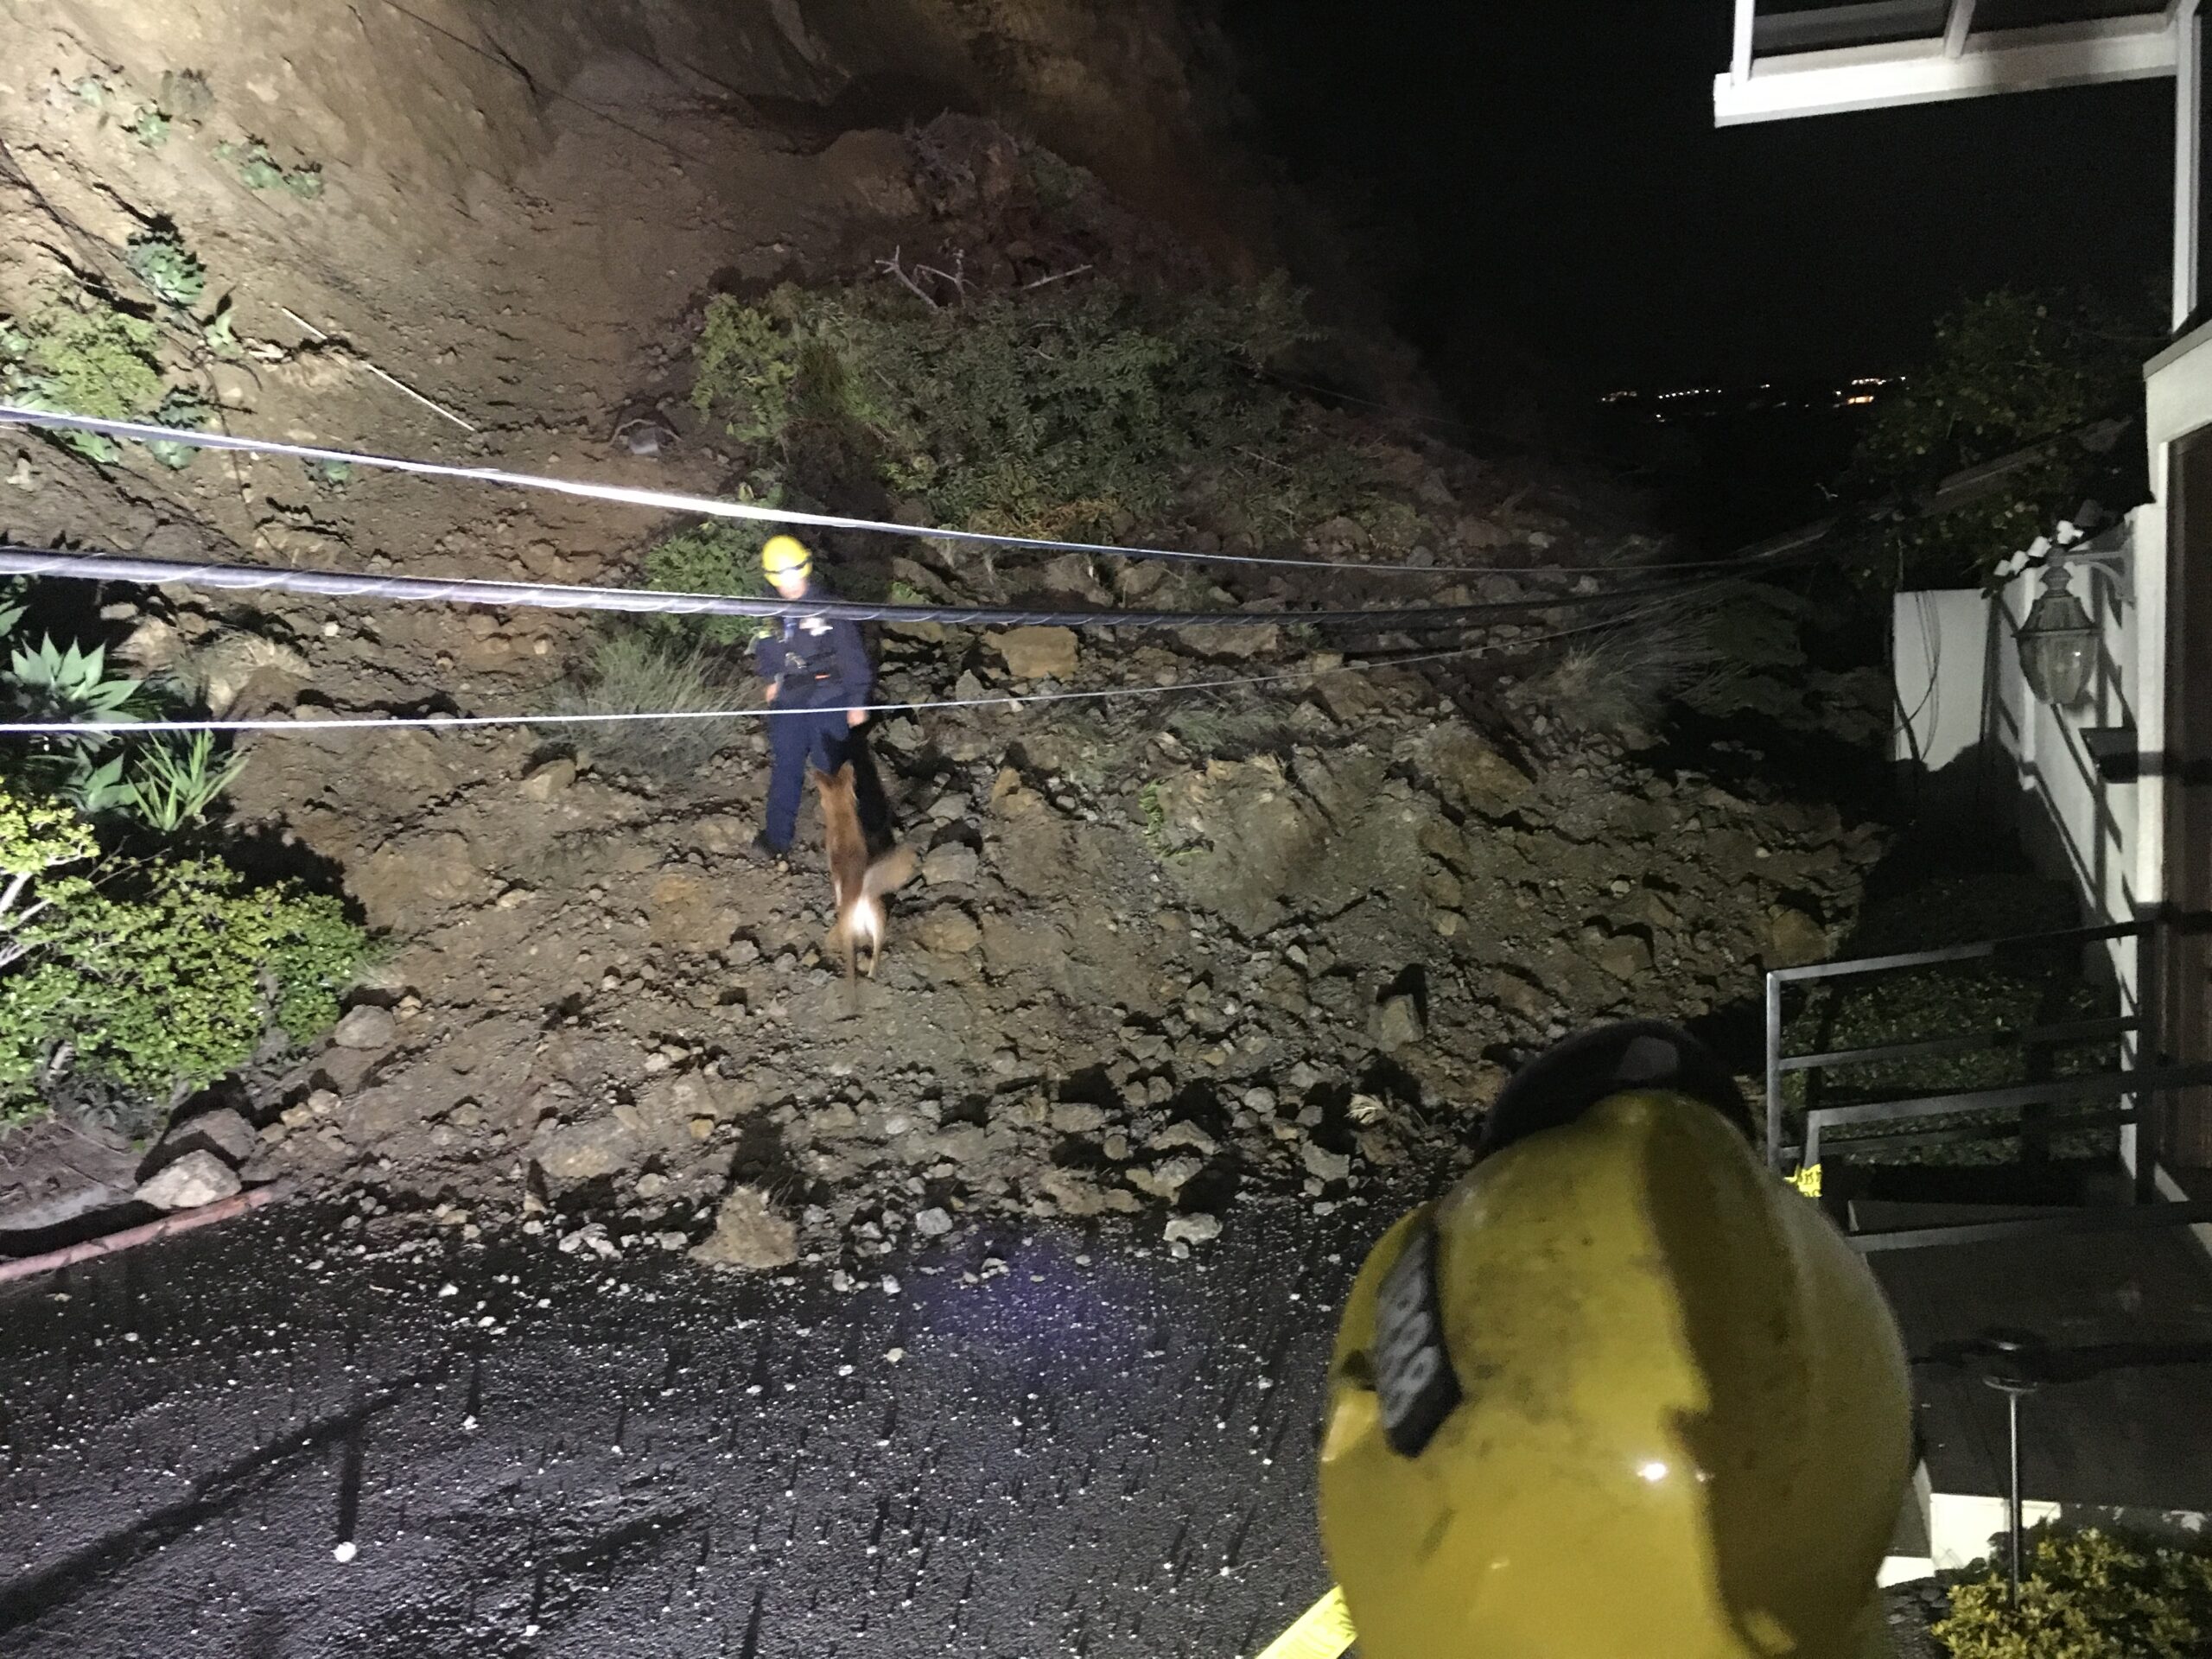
x: 1621, y: 1392
x: 782, y: 554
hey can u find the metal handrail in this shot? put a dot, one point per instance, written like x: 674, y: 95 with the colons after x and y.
x: 2101, y: 1086
x: 1777, y: 978
x: 2078, y: 1031
x: 2137, y: 1085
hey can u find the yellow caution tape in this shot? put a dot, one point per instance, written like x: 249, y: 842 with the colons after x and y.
x: 1323, y: 1632
x: 1807, y: 1182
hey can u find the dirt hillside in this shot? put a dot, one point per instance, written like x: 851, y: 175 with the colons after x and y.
x: 1164, y: 956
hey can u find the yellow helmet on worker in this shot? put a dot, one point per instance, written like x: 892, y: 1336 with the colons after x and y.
x: 783, y: 555
x: 1621, y: 1392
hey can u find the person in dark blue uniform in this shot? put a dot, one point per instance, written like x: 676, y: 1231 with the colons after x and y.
x: 817, y: 668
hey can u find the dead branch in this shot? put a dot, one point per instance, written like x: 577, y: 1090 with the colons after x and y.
x: 894, y: 267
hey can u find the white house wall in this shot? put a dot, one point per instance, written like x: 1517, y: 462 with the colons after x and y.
x: 1937, y: 649
x: 1967, y: 718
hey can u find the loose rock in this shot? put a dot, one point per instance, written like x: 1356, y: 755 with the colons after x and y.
x: 1193, y: 1230
x: 1397, y: 1024
x: 224, y: 1132
x: 367, y: 1027
x: 749, y: 1236
x: 953, y: 864
x: 195, y: 1179
x: 1323, y: 1165
x: 1036, y: 653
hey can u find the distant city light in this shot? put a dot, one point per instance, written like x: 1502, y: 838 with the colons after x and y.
x: 1707, y: 401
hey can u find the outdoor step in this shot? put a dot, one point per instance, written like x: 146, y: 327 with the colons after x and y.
x: 1886, y: 1215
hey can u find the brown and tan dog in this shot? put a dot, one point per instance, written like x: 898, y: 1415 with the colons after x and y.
x: 858, y: 883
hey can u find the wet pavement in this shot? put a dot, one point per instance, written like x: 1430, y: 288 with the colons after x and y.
x: 279, y: 1438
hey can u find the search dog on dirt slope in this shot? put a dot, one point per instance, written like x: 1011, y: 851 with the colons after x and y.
x: 859, y: 883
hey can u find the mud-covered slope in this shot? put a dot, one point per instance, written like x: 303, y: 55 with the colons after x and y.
x: 1166, y: 955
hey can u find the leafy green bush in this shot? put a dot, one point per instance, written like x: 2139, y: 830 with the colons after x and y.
x: 715, y: 557
x: 96, y: 361
x: 1054, y: 412
x: 2008, y: 370
x: 2088, y: 1595
x: 641, y: 672
x: 165, y: 974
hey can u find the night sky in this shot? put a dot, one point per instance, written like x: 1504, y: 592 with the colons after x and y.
x: 1541, y: 190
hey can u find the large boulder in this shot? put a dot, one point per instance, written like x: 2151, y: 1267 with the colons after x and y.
x: 50, y: 1174
x: 1244, y: 839
x: 685, y: 913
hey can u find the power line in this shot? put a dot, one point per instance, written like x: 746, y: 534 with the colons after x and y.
x: 398, y: 723
x: 16, y: 560
x: 753, y: 512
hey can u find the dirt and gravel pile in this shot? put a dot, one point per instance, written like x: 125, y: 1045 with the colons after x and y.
x: 1166, y: 955
x: 1162, y: 957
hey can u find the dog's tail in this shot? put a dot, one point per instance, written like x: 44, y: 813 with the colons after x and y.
x: 891, y: 872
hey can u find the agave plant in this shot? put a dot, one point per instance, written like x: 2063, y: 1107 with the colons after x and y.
x: 70, y: 686
x: 52, y: 682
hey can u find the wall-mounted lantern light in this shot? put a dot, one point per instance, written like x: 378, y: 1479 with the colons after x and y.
x: 2059, y: 641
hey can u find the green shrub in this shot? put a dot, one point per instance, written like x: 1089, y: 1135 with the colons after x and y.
x: 51, y: 683
x: 96, y: 361
x: 2007, y: 371
x: 748, y: 359
x: 1054, y: 412
x: 640, y: 672
x: 717, y: 556
x: 187, y: 411
x: 162, y: 976
x: 2088, y: 1595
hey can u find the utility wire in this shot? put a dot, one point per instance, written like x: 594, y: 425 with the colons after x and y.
x: 396, y: 722
x: 16, y: 560
x: 753, y: 512
x: 766, y: 711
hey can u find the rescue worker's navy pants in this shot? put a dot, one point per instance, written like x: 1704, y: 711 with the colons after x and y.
x: 821, y: 736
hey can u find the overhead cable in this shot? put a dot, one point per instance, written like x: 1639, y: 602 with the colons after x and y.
x: 754, y: 511
x: 766, y: 711
x: 16, y: 560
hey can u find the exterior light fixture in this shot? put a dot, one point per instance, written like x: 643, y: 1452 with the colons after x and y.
x: 2058, y: 642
